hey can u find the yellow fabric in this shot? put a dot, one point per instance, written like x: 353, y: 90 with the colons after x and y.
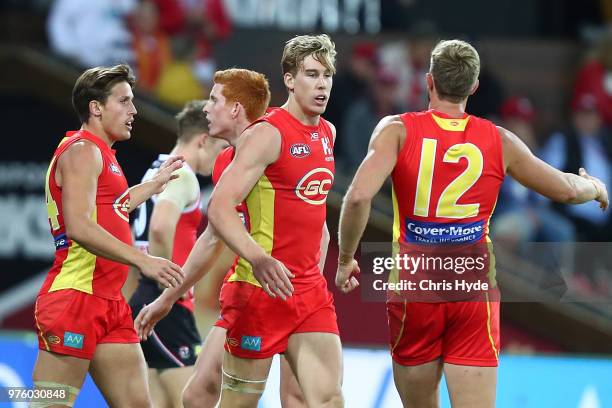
x: 452, y: 125
x: 177, y: 84
x: 77, y: 270
x: 260, y: 203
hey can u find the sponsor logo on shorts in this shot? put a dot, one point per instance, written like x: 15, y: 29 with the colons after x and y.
x: 73, y: 340
x: 315, y: 185
x: 250, y: 343
x: 299, y: 150
x: 440, y: 232
x: 232, y: 342
x: 184, y: 352
x: 53, y: 339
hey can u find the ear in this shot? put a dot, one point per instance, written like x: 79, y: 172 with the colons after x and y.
x: 289, y: 81
x: 475, y: 87
x: 430, y: 82
x: 95, y: 108
x: 236, y: 109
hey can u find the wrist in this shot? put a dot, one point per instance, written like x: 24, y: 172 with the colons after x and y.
x: 345, y: 258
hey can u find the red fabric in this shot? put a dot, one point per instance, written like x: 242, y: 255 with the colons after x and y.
x: 70, y: 312
x: 171, y: 16
x: 112, y: 203
x: 479, y: 133
x: 590, y: 80
x: 184, y: 240
x: 301, y: 178
x: 463, y: 333
x: 246, y: 310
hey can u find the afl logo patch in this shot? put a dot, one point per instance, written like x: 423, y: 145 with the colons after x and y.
x: 299, y: 150
x: 114, y: 168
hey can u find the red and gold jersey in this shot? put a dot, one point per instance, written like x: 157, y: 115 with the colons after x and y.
x: 446, y: 180
x: 287, y: 206
x: 74, y: 267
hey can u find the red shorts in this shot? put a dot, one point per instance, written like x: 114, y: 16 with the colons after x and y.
x: 259, y: 326
x: 462, y: 333
x: 73, y: 323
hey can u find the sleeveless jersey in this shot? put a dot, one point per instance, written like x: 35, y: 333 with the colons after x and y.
x: 186, y: 232
x: 74, y: 267
x: 287, y: 206
x: 446, y: 180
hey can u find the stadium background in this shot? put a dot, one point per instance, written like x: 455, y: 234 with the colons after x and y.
x: 537, y: 60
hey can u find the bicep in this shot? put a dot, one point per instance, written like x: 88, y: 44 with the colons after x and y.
x: 254, y: 153
x: 79, y: 167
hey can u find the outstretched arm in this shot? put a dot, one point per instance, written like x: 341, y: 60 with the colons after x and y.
x: 143, y: 191
x: 378, y: 164
x: 539, y: 176
x: 78, y: 169
x: 202, y: 258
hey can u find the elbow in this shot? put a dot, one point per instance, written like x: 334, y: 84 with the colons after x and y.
x: 157, y: 232
x: 75, y: 231
x: 356, y: 199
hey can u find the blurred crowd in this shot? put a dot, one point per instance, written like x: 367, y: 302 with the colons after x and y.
x: 170, y: 43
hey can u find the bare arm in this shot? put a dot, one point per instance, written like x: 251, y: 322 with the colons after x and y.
x: 539, y: 176
x: 162, y: 228
x: 258, y: 147
x: 78, y: 169
x: 378, y: 164
x: 325, y: 238
x: 202, y: 258
x: 143, y: 191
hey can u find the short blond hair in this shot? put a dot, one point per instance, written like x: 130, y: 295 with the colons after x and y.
x: 298, y: 48
x: 455, y: 66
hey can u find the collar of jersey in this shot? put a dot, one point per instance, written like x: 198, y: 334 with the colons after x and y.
x: 448, y: 123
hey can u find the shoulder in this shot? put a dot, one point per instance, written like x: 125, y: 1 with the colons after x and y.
x: 82, y: 152
x: 391, y: 124
x: 261, y: 130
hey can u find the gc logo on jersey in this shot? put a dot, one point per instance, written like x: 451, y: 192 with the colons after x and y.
x: 315, y: 185
x: 299, y: 150
x: 122, y: 206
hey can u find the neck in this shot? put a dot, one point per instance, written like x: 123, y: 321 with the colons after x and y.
x: 454, y: 110
x: 188, y: 152
x: 95, y: 129
x: 241, y: 125
x: 297, y: 112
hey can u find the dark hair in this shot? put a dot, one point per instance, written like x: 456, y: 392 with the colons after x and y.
x: 95, y: 84
x: 191, y: 121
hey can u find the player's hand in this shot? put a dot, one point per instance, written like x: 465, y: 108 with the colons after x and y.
x: 149, y: 316
x: 346, y: 276
x: 161, y: 270
x: 273, y: 277
x: 602, y: 191
x: 164, y: 174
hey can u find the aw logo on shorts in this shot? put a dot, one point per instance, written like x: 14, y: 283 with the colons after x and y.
x: 315, y: 185
x: 299, y: 150
x: 122, y: 206
x: 73, y: 340
x: 250, y: 343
